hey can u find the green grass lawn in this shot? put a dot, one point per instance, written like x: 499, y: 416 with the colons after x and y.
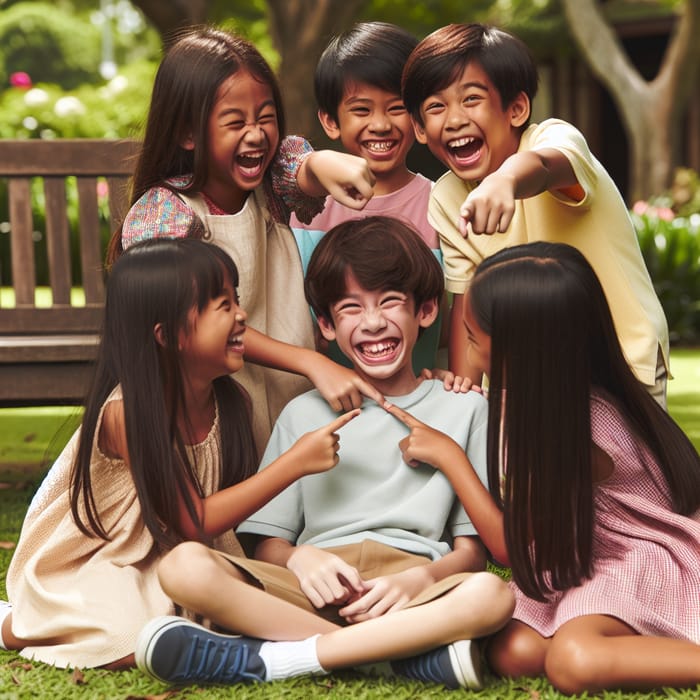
x: 30, y: 438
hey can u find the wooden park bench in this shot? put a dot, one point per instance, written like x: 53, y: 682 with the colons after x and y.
x: 46, y: 353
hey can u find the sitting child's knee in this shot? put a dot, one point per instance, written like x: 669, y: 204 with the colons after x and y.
x: 571, y: 666
x: 513, y: 653
x: 184, y: 557
x: 491, y: 594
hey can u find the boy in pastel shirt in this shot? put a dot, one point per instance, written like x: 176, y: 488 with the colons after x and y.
x: 469, y: 90
x: 375, y: 558
x: 358, y: 90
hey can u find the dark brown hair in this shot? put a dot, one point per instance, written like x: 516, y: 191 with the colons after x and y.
x: 382, y: 253
x: 440, y: 58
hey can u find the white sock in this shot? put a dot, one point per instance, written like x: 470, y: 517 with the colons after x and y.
x: 287, y: 659
x: 5, y: 610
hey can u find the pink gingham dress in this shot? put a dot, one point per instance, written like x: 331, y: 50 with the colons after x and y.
x: 646, y: 557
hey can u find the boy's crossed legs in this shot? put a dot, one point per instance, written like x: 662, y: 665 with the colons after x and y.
x: 478, y: 605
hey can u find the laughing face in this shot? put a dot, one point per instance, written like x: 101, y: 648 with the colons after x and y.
x: 377, y: 330
x: 467, y: 128
x: 374, y: 124
x: 243, y: 137
x: 213, y: 344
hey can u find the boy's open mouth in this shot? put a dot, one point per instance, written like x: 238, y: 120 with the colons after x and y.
x: 378, y: 350
x: 466, y: 149
x: 379, y: 146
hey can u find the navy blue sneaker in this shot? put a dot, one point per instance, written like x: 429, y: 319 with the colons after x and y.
x: 457, y: 665
x: 176, y: 650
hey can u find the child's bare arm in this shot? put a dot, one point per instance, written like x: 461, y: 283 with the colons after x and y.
x: 490, y: 206
x: 313, y: 452
x: 425, y: 444
x: 345, y: 177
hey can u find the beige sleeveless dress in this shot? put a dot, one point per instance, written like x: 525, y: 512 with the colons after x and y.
x: 88, y: 598
x: 271, y: 290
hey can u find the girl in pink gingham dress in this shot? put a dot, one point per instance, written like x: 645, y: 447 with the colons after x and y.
x: 594, y: 496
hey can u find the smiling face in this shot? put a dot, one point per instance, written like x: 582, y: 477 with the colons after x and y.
x: 377, y: 331
x: 213, y: 344
x: 243, y: 136
x: 374, y: 124
x: 479, y: 342
x: 466, y: 127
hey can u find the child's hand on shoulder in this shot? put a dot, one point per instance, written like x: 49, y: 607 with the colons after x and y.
x: 451, y: 381
x: 317, y: 451
x: 490, y: 206
x: 344, y: 177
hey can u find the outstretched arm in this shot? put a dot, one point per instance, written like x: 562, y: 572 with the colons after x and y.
x: 345, y: 177
x: 425, y: 444
x: 490, y: 206
x: 341, y: 387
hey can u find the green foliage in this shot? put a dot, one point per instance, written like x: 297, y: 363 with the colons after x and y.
x: 671, y: 250
x: 115, y: 109
x: 48, y: 44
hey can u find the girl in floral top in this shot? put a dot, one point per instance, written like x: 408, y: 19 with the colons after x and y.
x: 213, y: 165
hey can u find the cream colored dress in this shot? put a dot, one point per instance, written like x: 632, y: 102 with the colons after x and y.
x: 87, y: 597
x: 271, y: 290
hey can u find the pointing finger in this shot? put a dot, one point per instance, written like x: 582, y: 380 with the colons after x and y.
x: 406, y: 418
x: 339, y: 422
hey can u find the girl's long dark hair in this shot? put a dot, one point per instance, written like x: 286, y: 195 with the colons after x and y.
x: 159, y: 282
x: 553, y: 343
x: 184, y: 93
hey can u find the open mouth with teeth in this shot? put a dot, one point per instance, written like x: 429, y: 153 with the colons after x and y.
x: 378, y: 352
x: 251, y: 164
x: 379, y: 147
x: 235, y: 342
x: 466, y: 151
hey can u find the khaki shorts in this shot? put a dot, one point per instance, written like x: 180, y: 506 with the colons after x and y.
x: 370, y: 558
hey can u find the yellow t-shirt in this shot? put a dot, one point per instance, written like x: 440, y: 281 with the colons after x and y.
x: 599, y: 226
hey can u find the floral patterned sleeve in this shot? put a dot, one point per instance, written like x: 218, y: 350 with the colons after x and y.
x: 158, y: 213
x: 284, y: 196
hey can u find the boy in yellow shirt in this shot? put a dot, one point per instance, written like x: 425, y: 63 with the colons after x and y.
x: 469, y: 90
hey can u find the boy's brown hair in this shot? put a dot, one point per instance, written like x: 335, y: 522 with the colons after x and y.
x: 382, y: 253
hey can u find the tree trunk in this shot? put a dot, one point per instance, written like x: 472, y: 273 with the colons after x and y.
x: 652, y: 111
x: 301, y: 29
x: 172, y: 16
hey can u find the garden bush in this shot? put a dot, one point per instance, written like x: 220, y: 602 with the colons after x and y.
x: 671, y: 250
x: 49, y: 45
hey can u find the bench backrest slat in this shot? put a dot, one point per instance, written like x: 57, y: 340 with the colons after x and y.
x: 90, y: 162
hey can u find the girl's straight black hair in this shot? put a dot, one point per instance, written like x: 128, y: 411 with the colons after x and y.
x: 157, y: 282
x: 553, y: 345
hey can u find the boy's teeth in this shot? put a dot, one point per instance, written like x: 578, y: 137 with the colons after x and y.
x: 461, y: 142
x: 377, y: 348
x: 379, y: 145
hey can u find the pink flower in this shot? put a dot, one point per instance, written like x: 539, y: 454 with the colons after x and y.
x: 102, y: 189
x: 665, y: 213
x: 640, y: 207
x: 20, y: 79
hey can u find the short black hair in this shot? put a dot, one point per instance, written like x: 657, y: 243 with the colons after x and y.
x: 370, y: 52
